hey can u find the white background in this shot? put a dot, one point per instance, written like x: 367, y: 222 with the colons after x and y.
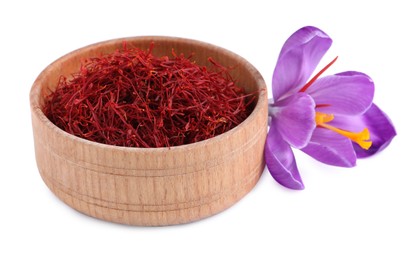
x: 366, y: 212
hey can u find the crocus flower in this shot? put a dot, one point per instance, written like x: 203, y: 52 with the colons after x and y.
x: 331, y: 118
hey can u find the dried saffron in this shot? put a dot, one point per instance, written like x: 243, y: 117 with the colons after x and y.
x: 132, y: 98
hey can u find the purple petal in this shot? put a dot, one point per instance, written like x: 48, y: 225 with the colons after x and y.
x: 380, y: 127
x: 331, y: 148
x: 298, y: 58
x: 348, y: 93
x: 294, y: 118
x: 280, y: 161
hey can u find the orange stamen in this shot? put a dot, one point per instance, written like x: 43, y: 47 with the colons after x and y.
x: 322, y: 118
x: 361, y: 138
x: 311, y: 81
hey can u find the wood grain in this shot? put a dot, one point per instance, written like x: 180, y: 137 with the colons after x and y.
x: 151, y: 186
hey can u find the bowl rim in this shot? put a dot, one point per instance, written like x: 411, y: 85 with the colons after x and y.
x: 36, y: 88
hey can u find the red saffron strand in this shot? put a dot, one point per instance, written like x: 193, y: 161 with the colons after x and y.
x: 311, y: 81
x: 322, y: 105
x: 131, y: 98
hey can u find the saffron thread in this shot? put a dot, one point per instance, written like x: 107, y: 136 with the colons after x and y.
x: 132, y: 98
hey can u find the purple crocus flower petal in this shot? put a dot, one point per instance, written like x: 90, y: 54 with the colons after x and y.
x: 280, y: 161
x: 293, y: 117
x: 331, y: 148
x: 380, y: 127
x: 347, y: 93
x: 298, y: 58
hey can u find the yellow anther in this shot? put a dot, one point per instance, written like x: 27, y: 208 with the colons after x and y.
x: 361, y: 138
x: 322, y: 118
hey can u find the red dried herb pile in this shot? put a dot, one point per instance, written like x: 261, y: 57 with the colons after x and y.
x: 131, y: 98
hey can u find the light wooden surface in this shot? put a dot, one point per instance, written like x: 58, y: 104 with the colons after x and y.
x: 151, y: 186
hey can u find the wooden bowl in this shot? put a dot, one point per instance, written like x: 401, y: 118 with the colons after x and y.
x: 151, y: 186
